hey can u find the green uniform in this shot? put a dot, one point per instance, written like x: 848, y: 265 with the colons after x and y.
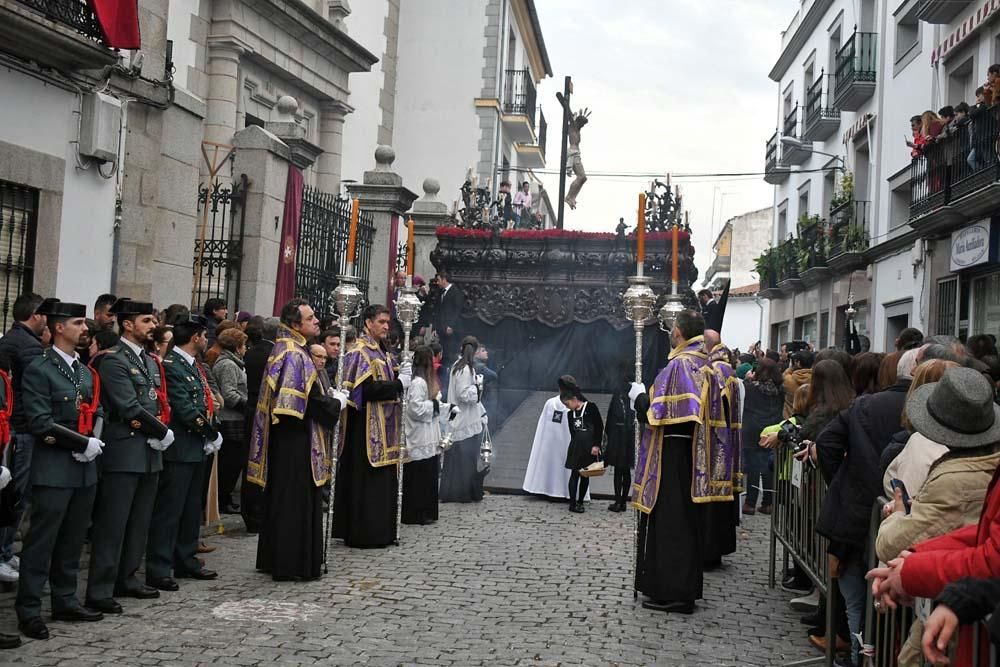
x: 173, y: 534
x: 129, y: 470
x: 63, y: 489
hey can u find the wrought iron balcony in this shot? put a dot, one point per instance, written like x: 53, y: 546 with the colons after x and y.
x: 957, y: 177
x: 543, y: 131
x: 519, y: 100
x: 63, y: 34
x: 849, y: 236
x: 773, y: 172
x: 822, y: 117
x: 791, y: 128
x: 857, y: 64
x: 75, y: 14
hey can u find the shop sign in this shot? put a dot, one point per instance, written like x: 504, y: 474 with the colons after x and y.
x: 974, y: 245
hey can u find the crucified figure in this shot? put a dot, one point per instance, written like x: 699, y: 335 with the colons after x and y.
x: 573, y: 162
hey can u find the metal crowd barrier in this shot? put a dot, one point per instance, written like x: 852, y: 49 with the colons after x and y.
x: 799, y: 490
x: 885, y: 633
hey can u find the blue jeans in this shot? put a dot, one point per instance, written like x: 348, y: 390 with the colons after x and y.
x: 853, y: 588
x: 758, y: 473
x: 21, y: 472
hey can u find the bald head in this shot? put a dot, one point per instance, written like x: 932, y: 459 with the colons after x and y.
x: 712, y: 338
x: 319, y: 355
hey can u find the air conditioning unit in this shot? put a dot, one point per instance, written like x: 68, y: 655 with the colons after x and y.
x: 100, y: 127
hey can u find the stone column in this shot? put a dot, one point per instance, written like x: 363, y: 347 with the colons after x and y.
x: 223, y: 89
x: 382, y: 193
x: 331, y: 139
x: 428, y: 214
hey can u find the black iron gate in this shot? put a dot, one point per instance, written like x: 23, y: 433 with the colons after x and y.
x: 322, y: 250
x: 218, y: 245
x: 18, y: 225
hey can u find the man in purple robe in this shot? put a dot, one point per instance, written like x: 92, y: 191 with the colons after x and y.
x: 672, y: 472
x: 721, y: 513
x: 364, y: 513
x: 289, y: 451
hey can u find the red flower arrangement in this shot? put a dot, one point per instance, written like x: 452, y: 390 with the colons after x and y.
x: 541, y: 234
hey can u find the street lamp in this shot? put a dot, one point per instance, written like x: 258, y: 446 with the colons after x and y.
x: 792, y: 142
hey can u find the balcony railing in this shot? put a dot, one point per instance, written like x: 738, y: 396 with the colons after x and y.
x: 958, y: 169
x: 822, y: 116
x: 771, y: 153
x: 543, y: 131
x: 849, y: 230
x: 790, y: 126
x: 519, y: 95
x: 857, y: 64
x: 75, y: 14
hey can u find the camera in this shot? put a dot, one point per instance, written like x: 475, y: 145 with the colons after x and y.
x: 790, y: 435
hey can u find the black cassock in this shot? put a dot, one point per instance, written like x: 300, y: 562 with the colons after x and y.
x: 719, y: 536
x: 420, y: 491
x: 670, y: 537
x: 290, y: 544
x: 364, y: 511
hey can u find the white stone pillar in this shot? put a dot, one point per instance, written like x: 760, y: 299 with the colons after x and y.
x: 223, y: 90
x: 331, y: 139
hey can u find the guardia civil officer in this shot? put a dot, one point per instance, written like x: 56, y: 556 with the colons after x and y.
x: 61, y: 404
x: 133, y: 394
x: 173, y: 535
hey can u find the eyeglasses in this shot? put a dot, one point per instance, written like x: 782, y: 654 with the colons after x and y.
x: 320, y: 356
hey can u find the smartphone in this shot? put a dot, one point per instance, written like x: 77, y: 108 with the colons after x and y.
x: 898, y: 484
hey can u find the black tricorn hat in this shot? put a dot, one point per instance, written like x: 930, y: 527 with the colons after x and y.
x: 64, y: 309
x: 45, y: 307
x: 126, y: 306
x: 193, y: 323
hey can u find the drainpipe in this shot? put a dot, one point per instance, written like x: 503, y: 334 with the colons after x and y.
x: 116, y: 237
x: 760, y: 325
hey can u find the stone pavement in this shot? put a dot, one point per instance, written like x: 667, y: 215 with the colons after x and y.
x: 514, y: 580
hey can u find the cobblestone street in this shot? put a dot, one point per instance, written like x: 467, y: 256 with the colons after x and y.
x: 513, y: 581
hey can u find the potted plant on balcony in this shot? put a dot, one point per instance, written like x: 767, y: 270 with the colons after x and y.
x: 790, y: 254
x: 766, y: 266
x: 816, y: 248
x: 850, y: 244
x: 844, y: 194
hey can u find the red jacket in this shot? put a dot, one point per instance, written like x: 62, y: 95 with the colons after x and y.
x: 972, y: 551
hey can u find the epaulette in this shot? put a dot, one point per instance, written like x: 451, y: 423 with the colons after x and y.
x: 167, y: 361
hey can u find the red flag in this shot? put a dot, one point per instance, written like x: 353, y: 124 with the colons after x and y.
x: 119, y: 21
x: 284, y: 289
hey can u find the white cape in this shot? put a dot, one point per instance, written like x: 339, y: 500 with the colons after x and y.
x: 547, y: 473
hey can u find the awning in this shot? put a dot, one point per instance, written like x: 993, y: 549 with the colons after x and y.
x: 986, y: 10
x: 859, y: 125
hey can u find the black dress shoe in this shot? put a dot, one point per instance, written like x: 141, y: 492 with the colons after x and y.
x: 669, y: 606
x: 162, y: 583
x: 105, y: 606
x: 9, y: 641
x: 202, y: 574
x: 77, y: 615
x: 230, y: 509
x: 576, y: 507
x: 34, y: 627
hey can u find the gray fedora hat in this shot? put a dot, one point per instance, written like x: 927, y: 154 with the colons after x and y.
x: 958, y: 411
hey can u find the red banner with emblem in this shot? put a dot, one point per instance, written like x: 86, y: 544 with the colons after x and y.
x: 284, y: 289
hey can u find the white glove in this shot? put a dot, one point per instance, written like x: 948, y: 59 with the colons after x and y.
x: 213, y: 446
x: 479, y: 381
x: 4, y: 476
x: 94, y: 449
x: 162, y: 444
x: 635, y: 390
x: 406, y: 374
x: 340, y: 396
x: 486, y: 419
x: 438, y: 398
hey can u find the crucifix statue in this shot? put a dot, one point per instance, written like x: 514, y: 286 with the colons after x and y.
x: 573, y: 162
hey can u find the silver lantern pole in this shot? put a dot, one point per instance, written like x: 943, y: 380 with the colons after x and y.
x: 347, y: 301
x: 407, y: 311
x: 639, y: 300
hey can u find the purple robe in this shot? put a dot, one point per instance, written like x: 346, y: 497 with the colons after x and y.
x: 284, y: 393
x: 724, y: 428
x: 383, y: 419
x: 678, y: 396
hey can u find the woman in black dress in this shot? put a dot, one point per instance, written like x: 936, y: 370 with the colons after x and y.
x: 620, y: 432
x: 585, y: 433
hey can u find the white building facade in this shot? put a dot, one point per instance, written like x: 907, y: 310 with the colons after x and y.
x: 450, y: 103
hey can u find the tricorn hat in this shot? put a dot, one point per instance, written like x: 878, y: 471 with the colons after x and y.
x: 957, y: 411
x: 65, y: 309
x: 45, y: 307
x: 126, y: 306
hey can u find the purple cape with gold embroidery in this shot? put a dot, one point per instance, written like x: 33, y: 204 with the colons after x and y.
x: 724, y: 428
x: 678, y: 396
x: 383, y: 419
x: 288, y: 377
